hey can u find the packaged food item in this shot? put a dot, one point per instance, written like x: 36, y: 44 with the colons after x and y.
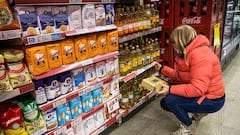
x: 99, y: 118
x: 11, y: 120
x: 106, y: 90
x: 54, y: 55
x: 102, y: 43
x: 12, y: 55
x: 52, y: 87
x: 7, y: 21
x: 28, y: 20
x: 153, y: 83
x: 92, y: 45
x: 112, y: 66
x: 60, y: 18
x: 68, y: 53
x: 18, y: 74
x: 51, y: 120
x: 45, y: 19
x: 100, y: 15
x: 97, y: 96
x: 75, y: 107
x: 89, y: 125
x: 110, y: 13
x: 33, y: 118
x: 39, y: 92
x: 87, y: 102
x: 36, y: 58
x: 63, y: 114
x: 74, y: 17
x: 81, y: 49
x: 88, y: 16
x: 115, y: 86
x: 1, y: 58
x: 66, y: 83
x: 101, y: 70
x: 112, y: 41
x: 4, y: 80
x: 90, y: 74
x: 78, y: 78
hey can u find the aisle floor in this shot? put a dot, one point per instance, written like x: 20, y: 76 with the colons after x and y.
x: 152, y: 120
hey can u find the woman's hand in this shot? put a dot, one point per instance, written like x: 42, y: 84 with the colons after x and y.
x: 157, y: 66
x: 164, y: 90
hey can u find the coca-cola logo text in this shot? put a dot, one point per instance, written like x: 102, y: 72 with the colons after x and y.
x: 194, y: 20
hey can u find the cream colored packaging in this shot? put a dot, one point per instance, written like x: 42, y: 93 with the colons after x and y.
x: 88, y: 16
x: 74, y: 17
x: 89, y: 125
x: 153, y: 83
x: 4, y: 80
x: 18, y: 74
x: 100, y: 15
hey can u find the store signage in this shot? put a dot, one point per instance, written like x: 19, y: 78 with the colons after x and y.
x: 193, y: 20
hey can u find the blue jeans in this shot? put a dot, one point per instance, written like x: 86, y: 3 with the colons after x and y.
x: 180, y: 106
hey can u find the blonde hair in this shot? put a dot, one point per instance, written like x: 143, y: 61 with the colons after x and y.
x: 181, y: 37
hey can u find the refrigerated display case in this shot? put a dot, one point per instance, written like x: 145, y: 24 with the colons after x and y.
x: 231, y: 31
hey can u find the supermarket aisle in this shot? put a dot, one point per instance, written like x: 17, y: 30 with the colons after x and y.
x: 152, y: 120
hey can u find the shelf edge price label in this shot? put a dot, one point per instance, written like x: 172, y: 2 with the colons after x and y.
x: 32, y: 40
x: 59, y: 102
x: 86, y: 62
x: 44, y: 38
x: 56, y: 36
x: 61, y: 131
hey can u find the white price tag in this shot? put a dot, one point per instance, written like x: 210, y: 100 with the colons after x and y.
x: 61, y: 131
x: 60, y: 102
x: 44, y: 38
x: 75, y: 1
x: 32, y: 40
x: 82, y: 92
x: 8, y: 95
x: 86, y: 62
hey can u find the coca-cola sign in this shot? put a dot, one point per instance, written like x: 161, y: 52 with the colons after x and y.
x: 193, y: 20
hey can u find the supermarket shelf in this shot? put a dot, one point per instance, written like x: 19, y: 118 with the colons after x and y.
x: 10, y: 34
x: 16, y: 92
x: 76, y: 65
x: 90, y: 30
x: 125, y: 112
x: 31, y: 40
x: 60, y: 2
x: 139, y: 34
x: 134, y: 74
x: 63, y: 129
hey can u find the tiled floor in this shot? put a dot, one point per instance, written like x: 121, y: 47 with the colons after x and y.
x: 152, y: 120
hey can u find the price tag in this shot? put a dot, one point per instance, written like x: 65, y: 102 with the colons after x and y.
x: 32, y: 40
x: 76, y: 122
x: 82, y: 92
x: 44, y: 38
x: 56, y: 36
x: 60, y: 102
x: 75, y: 1
x: 86, y: 62
x: 40, y: 131
x: 8, y: 95
x: 61, y: 131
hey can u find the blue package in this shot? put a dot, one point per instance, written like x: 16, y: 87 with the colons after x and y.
x: 97, y: 96
x: 63, y: 114
x: 66, y: 83
x: 75, y: 107
x: 78, y: 78
x: 52, y: 87
x: 109, y: 9
x: 39, y: 92
x: 87, y: 102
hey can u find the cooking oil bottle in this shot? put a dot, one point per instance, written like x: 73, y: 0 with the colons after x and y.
x: 131, y: 92
x: 157, y: 48
x: 123, y: 67
x: 127, y: 57
x: 124, y: 100
x: 134, y: 58
x: 139, y: 57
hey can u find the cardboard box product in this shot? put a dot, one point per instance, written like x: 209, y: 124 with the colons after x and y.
x: 153, y: 83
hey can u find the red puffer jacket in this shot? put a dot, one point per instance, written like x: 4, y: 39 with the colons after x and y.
x: 201, y: 77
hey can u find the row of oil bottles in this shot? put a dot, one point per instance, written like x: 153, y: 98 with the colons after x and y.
x: 137, y: 53
x: 132, y: 91
x: 130, y: 19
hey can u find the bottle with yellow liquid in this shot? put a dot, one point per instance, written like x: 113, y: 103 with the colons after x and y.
x: 139, y: 57
x: 130, y: 93
x: 119, y: 22
x: 125, y: 22
x: 124, y: 100
x: 157, y: 48
x: 134, y: 58
x: 128, y: 58
x: 123, y: 67
x: 140, y: 19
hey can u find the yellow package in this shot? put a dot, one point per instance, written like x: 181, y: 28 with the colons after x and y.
x: 54, y: 55
x: 68, y: 53
x: 102, y: 43
x: 37, y: 61
x: 4, y: 80
x: 81, y: 49
x: 92, y: 45
x: 112, y: 41
x: 153, y: 83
